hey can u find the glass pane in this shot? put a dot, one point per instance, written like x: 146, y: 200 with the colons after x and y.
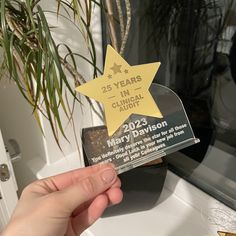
x: 196, y: 44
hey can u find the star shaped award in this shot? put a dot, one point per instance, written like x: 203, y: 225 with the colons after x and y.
x: 144, y: 121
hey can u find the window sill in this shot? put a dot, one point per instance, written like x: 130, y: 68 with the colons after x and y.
x: 182, y: 210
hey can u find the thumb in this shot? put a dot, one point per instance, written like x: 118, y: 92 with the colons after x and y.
x: 87, y: 189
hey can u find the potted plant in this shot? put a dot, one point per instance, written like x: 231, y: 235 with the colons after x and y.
x: 34, y: 62
x: 46, y: 77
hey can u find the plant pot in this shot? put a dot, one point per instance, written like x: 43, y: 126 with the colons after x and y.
x: 141, y: 186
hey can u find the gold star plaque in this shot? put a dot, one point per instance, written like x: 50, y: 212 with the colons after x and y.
x: 123, y: 90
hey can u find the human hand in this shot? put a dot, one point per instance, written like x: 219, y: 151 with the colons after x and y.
x: 65, y: 204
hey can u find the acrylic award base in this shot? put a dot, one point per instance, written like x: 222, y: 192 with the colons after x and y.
x: 140, y: 140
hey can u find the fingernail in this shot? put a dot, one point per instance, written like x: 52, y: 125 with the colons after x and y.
x: 108, y: 175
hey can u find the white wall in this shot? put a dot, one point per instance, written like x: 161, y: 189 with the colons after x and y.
x: 17, y: 122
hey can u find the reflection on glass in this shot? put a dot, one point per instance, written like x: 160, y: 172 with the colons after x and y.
x: 196, y: 44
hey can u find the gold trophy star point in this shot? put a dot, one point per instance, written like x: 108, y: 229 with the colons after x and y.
x: 125, y: 93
